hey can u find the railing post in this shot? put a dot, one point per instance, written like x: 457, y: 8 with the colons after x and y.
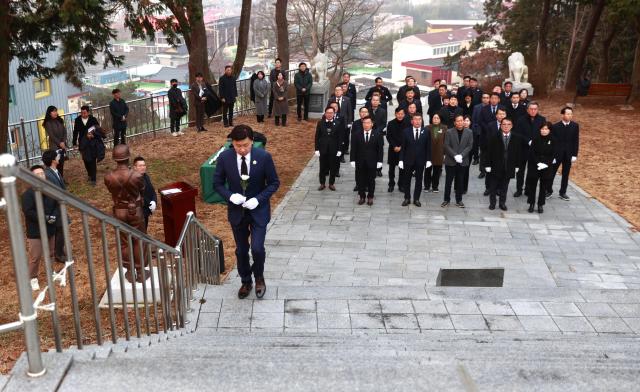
x: 24, y: 141
x: 20, y: 262
x: 153, y: 121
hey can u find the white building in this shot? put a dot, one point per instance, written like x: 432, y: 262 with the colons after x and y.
x: 438, y: 25
x: 428, y: 46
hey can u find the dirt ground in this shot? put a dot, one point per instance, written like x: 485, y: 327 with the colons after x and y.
x: 168, y: 159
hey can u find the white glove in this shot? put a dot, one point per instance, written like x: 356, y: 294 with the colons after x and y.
x: 529, y: 142
x: 237, y: 199
x: 542, y: 166
x: 152, y: 206
x: 487, y: 169
x: 251, y: 203
x: 317, y: 153
x: 353, y: 164
x: 428, y: 164
x: 349, y: 126
x: 517, y: 169
x: 379, y: 165
x: 554, y: 161
x: 458, y: 158
x: 573, y: 159
x: 339, y: 153
x: 401, y: 165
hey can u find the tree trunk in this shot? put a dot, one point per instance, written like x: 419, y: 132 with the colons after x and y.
x: 4, y: 71
x: 603, y: 69
x: 574, y: 36
x: 576, y: 68
x: 243, y: 38
x: 282, y: 33
x: 635, y: 74
x: 541, y: 50
x: 195, y: 38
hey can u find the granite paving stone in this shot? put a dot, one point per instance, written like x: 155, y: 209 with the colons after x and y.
x: 400, y: 321
x: 469, y: 322
x: 609, y: 325
x: 573, y: 324
x: 597, y: 309
x: 503, y: 323
x: 462, y: 307
x: 437, y: 321
x: 562, y: 309
x: 367, y: 321
x: 528, y: 308
x: 538, y: 323
x: 334, y: 321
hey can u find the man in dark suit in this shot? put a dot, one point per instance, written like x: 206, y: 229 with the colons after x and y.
x: 150, y: 200
x: 328, y: 142
x: 487, y: 117
x: 358, y: 128
x: 410, y: 98
x: 51, y: 159
x: 344, y: 131
x: 346, y: 115
x: 206, y: 100
x: 528, y: 127
x: 379, y: 115
x: 567, y: 135
x: 410, y: 85
x: 505, y: 95
x: 366, y: 157
x: 228, y: 93
x: 462, y: 90
x: 395, y: 138
x: 385, y: 94
x: 458, y: 143
x: 475, y: 91
x: 415, y: 156
x: 252, y: 179
x: 433, y: 100
x: 351, y: 92
x: 450, y: 111
x: 515, y: 111
x: 502, y: 162
x: 476, y: 126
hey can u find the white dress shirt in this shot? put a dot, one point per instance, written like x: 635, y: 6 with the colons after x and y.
x: 247, y: 160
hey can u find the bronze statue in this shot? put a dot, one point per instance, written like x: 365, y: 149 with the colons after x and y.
x: 127, y: 187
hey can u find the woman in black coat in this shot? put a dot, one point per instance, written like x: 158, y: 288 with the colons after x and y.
x: 88, y: 134
x: 541, y: 163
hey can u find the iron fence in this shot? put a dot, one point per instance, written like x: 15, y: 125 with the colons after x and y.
x: 149, y: 115
x: 160, y: 302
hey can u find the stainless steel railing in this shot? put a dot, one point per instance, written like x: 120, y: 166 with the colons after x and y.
x: 148, y: 115
x: 166, y: 295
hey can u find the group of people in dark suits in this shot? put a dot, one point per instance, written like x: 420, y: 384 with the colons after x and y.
x: 501, y: 132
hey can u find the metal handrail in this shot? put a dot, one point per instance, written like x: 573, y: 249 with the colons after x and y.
x: 147, y: 115
x: 175, y: 272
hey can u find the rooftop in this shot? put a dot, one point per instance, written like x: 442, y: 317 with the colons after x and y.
x: 443, y: 37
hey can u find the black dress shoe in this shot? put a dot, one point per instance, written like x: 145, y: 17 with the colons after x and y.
x: 332, y: 187
x: 481, y: 175
x: 361, y: 201
x: 548, y: 195
x: 540, y: 210
x: 390, y: 189
x: 564, y: 197
x: 342, y: 159
x: 517, y: 194
x: 444, y: 204
x: 503, y: 207
x: 261, y: 287
x: 460, y: 204
x: 369, y: 201
x: 492, y: 207
x: 417, y: 203
x: 337, y: 174
x: 486, y: 192
x: 355, y: 188
x: 405, y: 202
x: 321, y: 187
x: 530, y: 208
x: 245, y: 290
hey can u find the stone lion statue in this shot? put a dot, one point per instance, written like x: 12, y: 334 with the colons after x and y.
x: 518, y: 71
x: 319, y: 66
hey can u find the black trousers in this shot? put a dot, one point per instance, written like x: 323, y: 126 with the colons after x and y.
x: 59, y: 252
x: 366, y: 180
x: 565, y: 161
x: 347, y: 139
x: 260, y: 118
x: 328, y: 165
x: 284, y: 120
x: 432, y: 177
x: 475, y: 150
x: 498, y: 185
x: 300, y: 100
x: 520, y: 176
x: 453, y: 173
x: 545, y: 180
x: 119, y: 135
x: 392, y: 176
x: 175, y: 125
x: 249, y: 236
x: 227, y: 113
x: 92, y: 168
x: 418, y: 169
x: 199, y: 115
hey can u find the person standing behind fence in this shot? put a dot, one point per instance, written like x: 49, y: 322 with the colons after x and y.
x: 303, y: 82
x: 228, y: 94
x: 281, y: 103
x: 261, y: 88
x: 56, y: 133
x: 51, y: 160
x: 119, y: 113
x: 88, y: 134
x: 273, y: 75
x: 33, y: 228
x: 177, y: 107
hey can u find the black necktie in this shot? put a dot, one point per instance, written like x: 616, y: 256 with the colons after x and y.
x: 339, y: 103
x: 244, y: 171
x: 416, y: 137
x: 493, y: 109
x: 366, y: 137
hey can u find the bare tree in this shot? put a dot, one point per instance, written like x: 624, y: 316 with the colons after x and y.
x: 243, y: 37
x: 340, y: 28
x: 282, y: 30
